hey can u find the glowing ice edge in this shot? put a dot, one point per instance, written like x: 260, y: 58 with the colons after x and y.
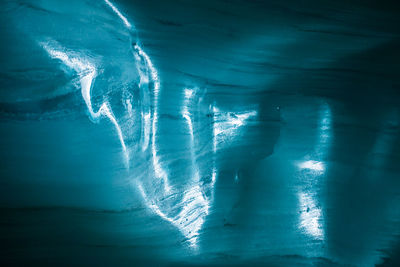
x: 87, y: 72
x: 116, y: 11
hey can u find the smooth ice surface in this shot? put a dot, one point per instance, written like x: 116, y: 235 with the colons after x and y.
x: 199, y: 133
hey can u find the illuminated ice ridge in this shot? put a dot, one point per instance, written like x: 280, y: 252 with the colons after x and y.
x: 189, y: 212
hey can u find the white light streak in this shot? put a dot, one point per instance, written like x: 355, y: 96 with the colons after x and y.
x: 116, y: 11
x: 146, y: 130
x: 187, y: 115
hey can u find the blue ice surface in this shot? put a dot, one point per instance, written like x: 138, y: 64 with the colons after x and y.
x: 198, y: 133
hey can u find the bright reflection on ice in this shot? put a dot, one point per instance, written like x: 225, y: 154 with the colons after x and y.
x: 122, y: 17
x: 87, y: 72
x: 310, y: 216
x: 312, y: 165
x: 226, y: 124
